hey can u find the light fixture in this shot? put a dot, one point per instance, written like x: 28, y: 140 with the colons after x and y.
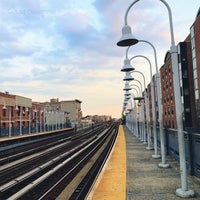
x: 127, y: 66
x: 127, y: 87
x: 127, y: 38
x: 128, y: 77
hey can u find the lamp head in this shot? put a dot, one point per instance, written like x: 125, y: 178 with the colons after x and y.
x: 127, y: 38
x: 127, y: 87
x: 127, y: 93
x: 127, y: 98
x: 128, y: 77
x: 127, y: 66
x: 125, y: 103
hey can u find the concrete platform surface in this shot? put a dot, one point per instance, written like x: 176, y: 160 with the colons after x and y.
x: 146, y: 181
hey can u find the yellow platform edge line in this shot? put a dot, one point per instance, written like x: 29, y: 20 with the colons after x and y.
x: 111, y: 183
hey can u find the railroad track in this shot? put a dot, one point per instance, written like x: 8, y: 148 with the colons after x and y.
x: 47, y: 178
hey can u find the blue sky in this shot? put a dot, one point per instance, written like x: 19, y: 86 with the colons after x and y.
x: 67, y: 49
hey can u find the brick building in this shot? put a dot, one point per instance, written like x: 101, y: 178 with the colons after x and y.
x: 195, y: 51
x: 189, y: 75
x: 150, y: 101
x: 19, y: 115
x: 14, y: 115
x: 70, y: 108
x: 167, y: 89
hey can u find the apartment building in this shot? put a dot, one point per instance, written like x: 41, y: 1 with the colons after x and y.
x: 186, y: 87
x: 70, y: 108
x: 149, y: 92
x: 195, y: 51
x: 167, y: 90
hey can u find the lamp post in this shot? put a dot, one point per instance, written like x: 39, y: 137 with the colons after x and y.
x: 128, y: 39
x: 44, y: 119
x: 139, y: 133
x: 130, y: 115
x: 10, y: 120
x: 143, y: 134
x: 164, y: 163
x: 129, y: 77
x: 28, y: 112
x: 134, y: 128
x: 127, y: 88
x: 18, y: 109
x: 155, y: 155
x: 41, y: 114
x: 36, y: 119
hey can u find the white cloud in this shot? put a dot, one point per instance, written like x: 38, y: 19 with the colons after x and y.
x: 68, y: 49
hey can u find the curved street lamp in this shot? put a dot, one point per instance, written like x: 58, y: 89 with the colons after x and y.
x: 128, y: 77
x: 155, y: 155
x: 164, y: 163
x: 142, y: 113
x: 134, y: 113
x: 128, y: 39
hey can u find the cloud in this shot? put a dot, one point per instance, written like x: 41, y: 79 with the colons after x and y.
x: 68, y: 49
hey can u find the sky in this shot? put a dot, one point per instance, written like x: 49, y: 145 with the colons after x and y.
x: 67, y: 49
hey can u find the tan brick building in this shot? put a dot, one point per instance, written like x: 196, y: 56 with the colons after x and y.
x: 14, y: 117
x: 71, y: 108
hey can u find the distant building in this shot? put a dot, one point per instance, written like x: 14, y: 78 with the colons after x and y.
x: 150, y: 101
x: 19, y: 115
x: 14, y: 115
x: 70, y: 108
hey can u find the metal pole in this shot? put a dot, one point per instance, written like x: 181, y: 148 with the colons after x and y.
x: 164, y: 163
x: 155, y: 155
x: 9, y: 110
x: 147, y: 112
x: 20, y: 121
x: 183, y: 191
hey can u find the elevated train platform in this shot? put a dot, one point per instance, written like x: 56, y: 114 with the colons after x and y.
x: 132, y: 174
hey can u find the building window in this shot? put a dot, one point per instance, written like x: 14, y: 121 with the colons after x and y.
x: 3, y: 112
x: 185, y: 74
x: 18, y: 110
x: 196, y: 94
x: 186, y: 91
x: 3, y: 125
x: 194, y: 63
x: 11, y: 110
x: 172, y: 124
x: 168, y: 111
x: 187, y: 110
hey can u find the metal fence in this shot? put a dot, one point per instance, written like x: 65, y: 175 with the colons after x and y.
x: 15, y: 131
x: 192, y: 148
x: 192, y: 145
